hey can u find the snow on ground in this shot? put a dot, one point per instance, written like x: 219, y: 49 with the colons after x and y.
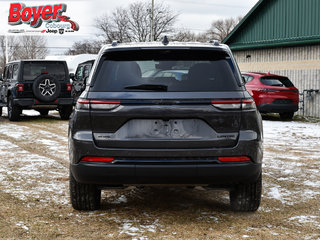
x: 34, y: 134
x: 14, y: 131
x: 292, y: 151
x: 26, y: 175
x: 130, y: 227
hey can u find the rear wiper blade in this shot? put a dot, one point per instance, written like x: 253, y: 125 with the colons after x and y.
x: 152, y: 87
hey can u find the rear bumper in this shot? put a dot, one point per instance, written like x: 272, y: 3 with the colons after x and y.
x: 218, y: 175
x: 195, y: 173
x: 33, y: 103
x: 277, y: 108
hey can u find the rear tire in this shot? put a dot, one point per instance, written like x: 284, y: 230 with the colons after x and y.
x: 43, y: 112
x: 13, y: 110
x: 84, y: 196
x: 65, y: 112
x: 286, y: 115
x: 246, y: 197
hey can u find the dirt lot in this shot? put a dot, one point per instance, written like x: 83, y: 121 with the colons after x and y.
x: 34, y: 198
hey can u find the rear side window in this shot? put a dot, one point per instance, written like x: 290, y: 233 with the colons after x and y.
x: 276, y: 81
x: 247, y: 78
x: 166, y: 70
x: 32, y: 70
x: 87, y: 69
x: 15, y: 71
x: 9, y: 72
x: 5, y: 72
x: 79, y: 72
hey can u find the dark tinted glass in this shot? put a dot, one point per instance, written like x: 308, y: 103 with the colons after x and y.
x: 247, y: 78
x: 276, y: 81
x: 32, y: 70
x: 166, y: 70
x: 9, y: 75
x: 86, y: 71
x: 79, y: 73
x: 15, y: 71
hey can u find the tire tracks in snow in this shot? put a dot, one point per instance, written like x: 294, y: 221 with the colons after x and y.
x: 36, y: 141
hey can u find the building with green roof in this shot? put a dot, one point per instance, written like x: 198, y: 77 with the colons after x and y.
x: 282, y: 37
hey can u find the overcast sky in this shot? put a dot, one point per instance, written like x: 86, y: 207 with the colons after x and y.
x: 193, y: 15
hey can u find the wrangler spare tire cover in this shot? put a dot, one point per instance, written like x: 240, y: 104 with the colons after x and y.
x: 46, y: 88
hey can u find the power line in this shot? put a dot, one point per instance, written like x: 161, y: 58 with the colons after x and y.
x: 206, y: 3
x: 39, y: 47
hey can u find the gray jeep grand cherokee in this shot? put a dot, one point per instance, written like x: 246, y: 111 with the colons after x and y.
x: 171, y: 113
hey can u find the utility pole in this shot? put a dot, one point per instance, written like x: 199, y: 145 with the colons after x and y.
x: 152, y: 20
x: 7, y: 48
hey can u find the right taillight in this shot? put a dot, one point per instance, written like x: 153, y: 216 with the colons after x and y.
x: 97, y: 104
x: 234, y: 104
x: 69, y: 87
x: 234, y: 159
x: 227, y: 104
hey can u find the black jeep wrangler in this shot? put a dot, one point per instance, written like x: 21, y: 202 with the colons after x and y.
x: 36, y: 84
x: 165, y: 114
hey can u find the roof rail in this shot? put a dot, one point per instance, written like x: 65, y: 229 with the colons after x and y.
x: 115, y: 43
x: 215, y: 42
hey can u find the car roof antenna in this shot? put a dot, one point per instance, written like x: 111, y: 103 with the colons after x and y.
x: 165, y: 41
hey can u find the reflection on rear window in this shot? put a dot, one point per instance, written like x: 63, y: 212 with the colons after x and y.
x: 168, y: 70
x: 32, y: 70
x: 276, y: 82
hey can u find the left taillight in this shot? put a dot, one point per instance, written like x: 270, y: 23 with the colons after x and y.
x: 20, y: 87
x: 83, y: 104
x: 97, y: 104
x: 234, y: 104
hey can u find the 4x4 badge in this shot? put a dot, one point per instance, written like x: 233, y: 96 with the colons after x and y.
x: 47, y: 88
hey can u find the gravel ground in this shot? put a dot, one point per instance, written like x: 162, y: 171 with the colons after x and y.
x: 34, y: 197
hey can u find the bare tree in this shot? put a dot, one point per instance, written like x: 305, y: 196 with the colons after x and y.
x: 115, y: 27
x: 12, y: 43
x: 188, y: 36
x: 164, y: 19
x: 134, y: 23
x: 22, y: 47
x: 220, y: 29
x: 85, y: 47
x: 30, y: 47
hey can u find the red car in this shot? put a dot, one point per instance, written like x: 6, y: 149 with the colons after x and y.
x: 273, y: 93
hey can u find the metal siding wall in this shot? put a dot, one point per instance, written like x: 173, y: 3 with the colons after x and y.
x: 303, y: 78
x: 281, y: 20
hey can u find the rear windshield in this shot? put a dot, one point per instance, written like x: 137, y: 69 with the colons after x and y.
x: 166, y: 70
x: 276, y: 81
x: 32, y: 70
